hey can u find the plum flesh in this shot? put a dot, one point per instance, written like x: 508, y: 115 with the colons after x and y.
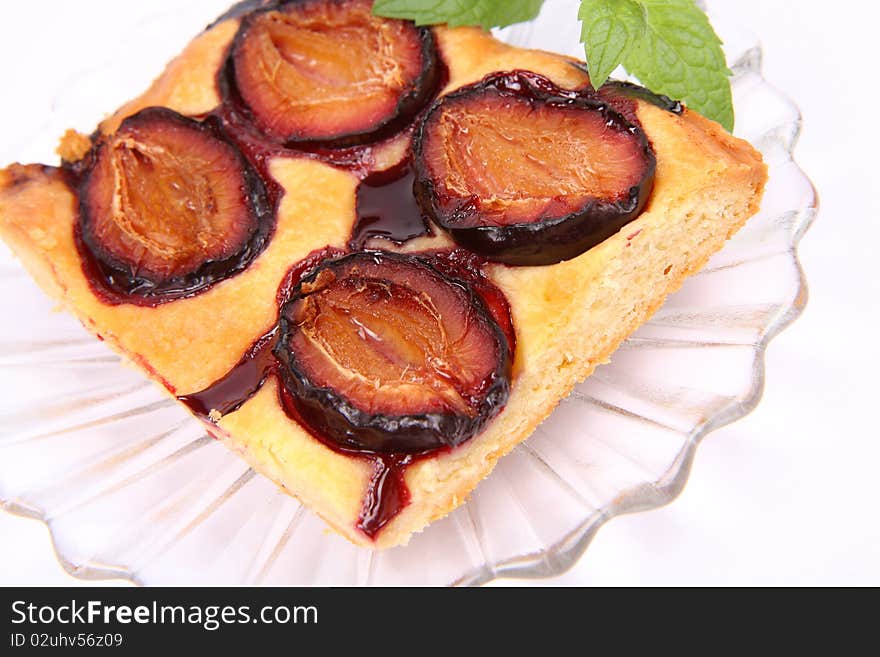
x: 384, y: 354
x: 168, y: 207
x: 524, y: 173
x: 331, y: 73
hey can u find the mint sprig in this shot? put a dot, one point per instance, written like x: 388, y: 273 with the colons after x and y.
x: 610, y: 29
x: 669, y: 45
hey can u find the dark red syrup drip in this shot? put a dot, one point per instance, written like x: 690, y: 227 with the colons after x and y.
x: 243, y: 381
x: 239, y: 385
x: 386, y: 496
x: 387, y: 209
x: 387, y: 493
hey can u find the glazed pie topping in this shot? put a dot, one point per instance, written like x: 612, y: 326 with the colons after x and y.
x: 380, y: 355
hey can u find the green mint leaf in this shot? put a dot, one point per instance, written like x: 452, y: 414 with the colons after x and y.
x: 680, y: 55
x: 610, y: 30
x: 486, y: 13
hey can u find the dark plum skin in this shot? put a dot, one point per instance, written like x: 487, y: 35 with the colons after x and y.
x: 446, y: 409
x: 614, y: 89
x: 193, y: 210
x: 309, y: 118
x: 242, y: 8
x: 565, y: 226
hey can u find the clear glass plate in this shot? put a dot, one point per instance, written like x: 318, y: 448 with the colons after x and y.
x: 131, y: 486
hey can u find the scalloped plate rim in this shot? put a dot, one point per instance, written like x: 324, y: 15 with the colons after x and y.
x: 562, y: 555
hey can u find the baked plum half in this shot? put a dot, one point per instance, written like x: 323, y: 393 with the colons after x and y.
x: 525, y: 173
x: 329, y: 72
x: 384, y: 354
x: 168, y: 207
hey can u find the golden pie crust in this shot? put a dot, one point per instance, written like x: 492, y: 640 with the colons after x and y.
x: 569, y: 317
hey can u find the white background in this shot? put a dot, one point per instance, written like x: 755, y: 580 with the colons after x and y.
x: 787, y: 495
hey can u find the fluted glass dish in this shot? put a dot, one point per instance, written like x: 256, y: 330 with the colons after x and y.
x: 130, y: 485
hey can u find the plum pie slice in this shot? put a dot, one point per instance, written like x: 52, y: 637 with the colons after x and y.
x: 372, y: 257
